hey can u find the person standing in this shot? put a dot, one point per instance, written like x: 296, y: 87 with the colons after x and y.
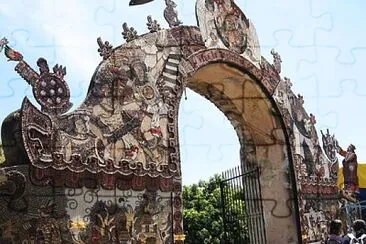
x: 335, y: 232
x: 358, y: 235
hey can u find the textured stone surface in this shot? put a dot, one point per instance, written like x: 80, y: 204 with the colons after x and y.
x: 114, y: 163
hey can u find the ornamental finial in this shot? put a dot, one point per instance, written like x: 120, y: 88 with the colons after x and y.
x: 105, y: 49
x: 152, y: 25
x: 129, y: 33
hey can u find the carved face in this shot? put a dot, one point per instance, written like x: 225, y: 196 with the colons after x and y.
x: 138, y: 71
x: 230, y: 23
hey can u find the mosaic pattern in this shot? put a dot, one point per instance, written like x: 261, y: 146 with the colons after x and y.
x: 317, y: 170
x: 82, y: 215
x: 109, y: 172
x: 224, y: 25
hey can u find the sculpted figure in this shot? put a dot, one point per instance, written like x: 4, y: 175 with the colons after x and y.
x: 349, y: 169
x: 117, y: 140
x: 171, y: 14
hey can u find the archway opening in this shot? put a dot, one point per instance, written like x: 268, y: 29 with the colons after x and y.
x: 208, y: 142
x: 242, y: 98
x: 210, y: 153
x: 226, y: 88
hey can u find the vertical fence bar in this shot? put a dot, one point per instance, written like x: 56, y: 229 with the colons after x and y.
x: 242, y: 206
x: 256, y: 199
x: 223, y: 202
x: 239, y: 207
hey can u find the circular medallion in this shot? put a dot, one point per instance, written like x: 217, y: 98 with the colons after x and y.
x: 52, y: 93
x: 148, y: 92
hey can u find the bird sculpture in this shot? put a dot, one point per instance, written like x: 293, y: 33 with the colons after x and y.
x: 12, y: 55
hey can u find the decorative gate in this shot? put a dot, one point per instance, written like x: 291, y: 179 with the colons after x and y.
x: 123, y: 139
x: 242, y: 207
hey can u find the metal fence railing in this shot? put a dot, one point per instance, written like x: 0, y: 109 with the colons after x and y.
x: 242, y: 207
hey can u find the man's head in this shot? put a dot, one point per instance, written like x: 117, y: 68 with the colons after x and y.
x: 335, y: 227
x: 351, y: 148
x: 139, y: 70
x: 359, y: 227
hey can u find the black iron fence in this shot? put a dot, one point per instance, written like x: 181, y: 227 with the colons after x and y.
x: 242, y: 207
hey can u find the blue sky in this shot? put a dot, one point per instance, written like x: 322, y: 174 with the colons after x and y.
x: 322, y: 44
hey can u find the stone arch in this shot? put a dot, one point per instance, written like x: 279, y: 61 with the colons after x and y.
x: 240, y: 82
x: 243, y: 93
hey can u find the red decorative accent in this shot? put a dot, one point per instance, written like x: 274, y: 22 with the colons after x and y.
x: 178, y: 216
x: 115, y: 69
x: 156, y: 132
x: 177, y: 187
x: 106, y: 181
x: 12, y: 55
x: 178, y: 230
x: 152, y: 184
x: 138, y: 183
x: 320, y: 188
x: 75, y: 177
x: 177, y: 202
x: 132, y: 152
x: 39, y: 173
x: 312, y: 119
x: 166, y: 184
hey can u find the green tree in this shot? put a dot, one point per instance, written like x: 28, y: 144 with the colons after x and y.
x: 203, y: 214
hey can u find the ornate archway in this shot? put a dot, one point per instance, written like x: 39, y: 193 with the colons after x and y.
x: 234, y: 85
x: 112, y: 166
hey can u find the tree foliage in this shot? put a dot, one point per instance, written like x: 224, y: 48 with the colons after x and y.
x: 203, y: 214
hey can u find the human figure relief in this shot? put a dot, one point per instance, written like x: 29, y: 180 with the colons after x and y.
x: 146, y: 220
x: 232, y: 25
x: 110, y: 116
x: 234, y: 35
x: 81, y: 137
x: 208, y: 28
x: 117, y: 142
x: 154, y: 122
x: 349, y: 169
